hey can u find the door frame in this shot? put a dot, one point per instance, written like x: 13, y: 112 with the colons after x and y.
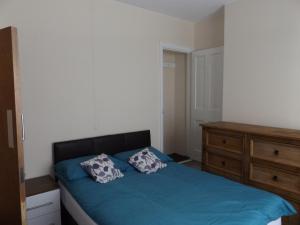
x: 188, y: 51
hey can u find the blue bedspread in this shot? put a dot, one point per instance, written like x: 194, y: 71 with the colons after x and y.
x: 176, y: 195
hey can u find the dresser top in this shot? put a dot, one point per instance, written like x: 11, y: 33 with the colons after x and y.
x: 40, y: 185
x: 256, y: 129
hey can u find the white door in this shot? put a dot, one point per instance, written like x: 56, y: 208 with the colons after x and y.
x: 206, y: 94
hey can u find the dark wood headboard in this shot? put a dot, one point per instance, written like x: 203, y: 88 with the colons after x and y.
x: 109, y: 144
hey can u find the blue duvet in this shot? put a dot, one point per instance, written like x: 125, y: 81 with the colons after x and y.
x: 176, y: 195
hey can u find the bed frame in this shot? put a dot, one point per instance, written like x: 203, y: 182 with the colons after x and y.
x: 109, y: 144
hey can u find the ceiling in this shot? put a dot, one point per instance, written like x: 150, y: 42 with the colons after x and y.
x: 192, y: 10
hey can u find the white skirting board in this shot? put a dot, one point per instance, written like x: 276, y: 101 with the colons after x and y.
x: 83, y: 219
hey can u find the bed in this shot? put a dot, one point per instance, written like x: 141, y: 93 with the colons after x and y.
x: 176, y: 195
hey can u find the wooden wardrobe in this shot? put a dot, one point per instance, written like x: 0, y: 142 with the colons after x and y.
x: 264, y: 157
x: 12, y: 189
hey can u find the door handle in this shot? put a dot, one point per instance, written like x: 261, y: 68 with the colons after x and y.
x: 23, y: 128
x: 10, y: 129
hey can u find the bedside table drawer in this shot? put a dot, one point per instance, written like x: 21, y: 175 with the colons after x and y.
x: 49, y: 219
x: 43, y: 204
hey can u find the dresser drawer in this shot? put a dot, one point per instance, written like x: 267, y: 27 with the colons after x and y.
x: 276, y: 152
x: 42, y: 204
x: 225, y: 164
x: 275, y: 177
x: 49, y: 219
x: 228, y: 141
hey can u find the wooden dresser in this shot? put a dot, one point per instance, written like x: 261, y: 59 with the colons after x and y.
x: 264, y: 157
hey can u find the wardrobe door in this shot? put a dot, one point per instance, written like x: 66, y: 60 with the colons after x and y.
x: 12, y: 188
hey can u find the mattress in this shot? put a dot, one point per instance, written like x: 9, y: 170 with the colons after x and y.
x: 83, y: 219
x: 174, y: 195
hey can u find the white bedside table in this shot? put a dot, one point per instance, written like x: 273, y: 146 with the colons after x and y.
x: 42, y: 201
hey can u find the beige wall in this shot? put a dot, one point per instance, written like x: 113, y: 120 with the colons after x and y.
x: 262, y: 69
x: 174, y: 78
x: 89, y: 67
x: 209, y: 33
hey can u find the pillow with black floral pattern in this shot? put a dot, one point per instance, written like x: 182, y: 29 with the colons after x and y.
x: 101, y: 169
x: 146, y: 162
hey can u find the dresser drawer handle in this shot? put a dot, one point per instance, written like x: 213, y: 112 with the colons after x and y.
x: 275, y: 178
x: 224, y: 142
x: 40, y: 206
x: 223, y: 163
x: 276, y: 152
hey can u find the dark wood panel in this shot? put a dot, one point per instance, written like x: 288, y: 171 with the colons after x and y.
x: 292, y: 220
x: 40, y: 185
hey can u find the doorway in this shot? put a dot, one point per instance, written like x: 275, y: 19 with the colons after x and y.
x: 175, y: 69
x: 202, y: 82
x: 206, y: 94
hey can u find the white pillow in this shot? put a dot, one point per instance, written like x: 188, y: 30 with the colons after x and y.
x: 101, y: 169
x: 146, y: 162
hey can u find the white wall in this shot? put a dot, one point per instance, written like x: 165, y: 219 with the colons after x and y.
x: 262, y: 62
x: 209, y: 33
x: 89, y: 67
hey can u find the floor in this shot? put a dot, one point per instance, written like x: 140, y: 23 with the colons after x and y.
x: 178, y: 158
x: 193, y: 164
